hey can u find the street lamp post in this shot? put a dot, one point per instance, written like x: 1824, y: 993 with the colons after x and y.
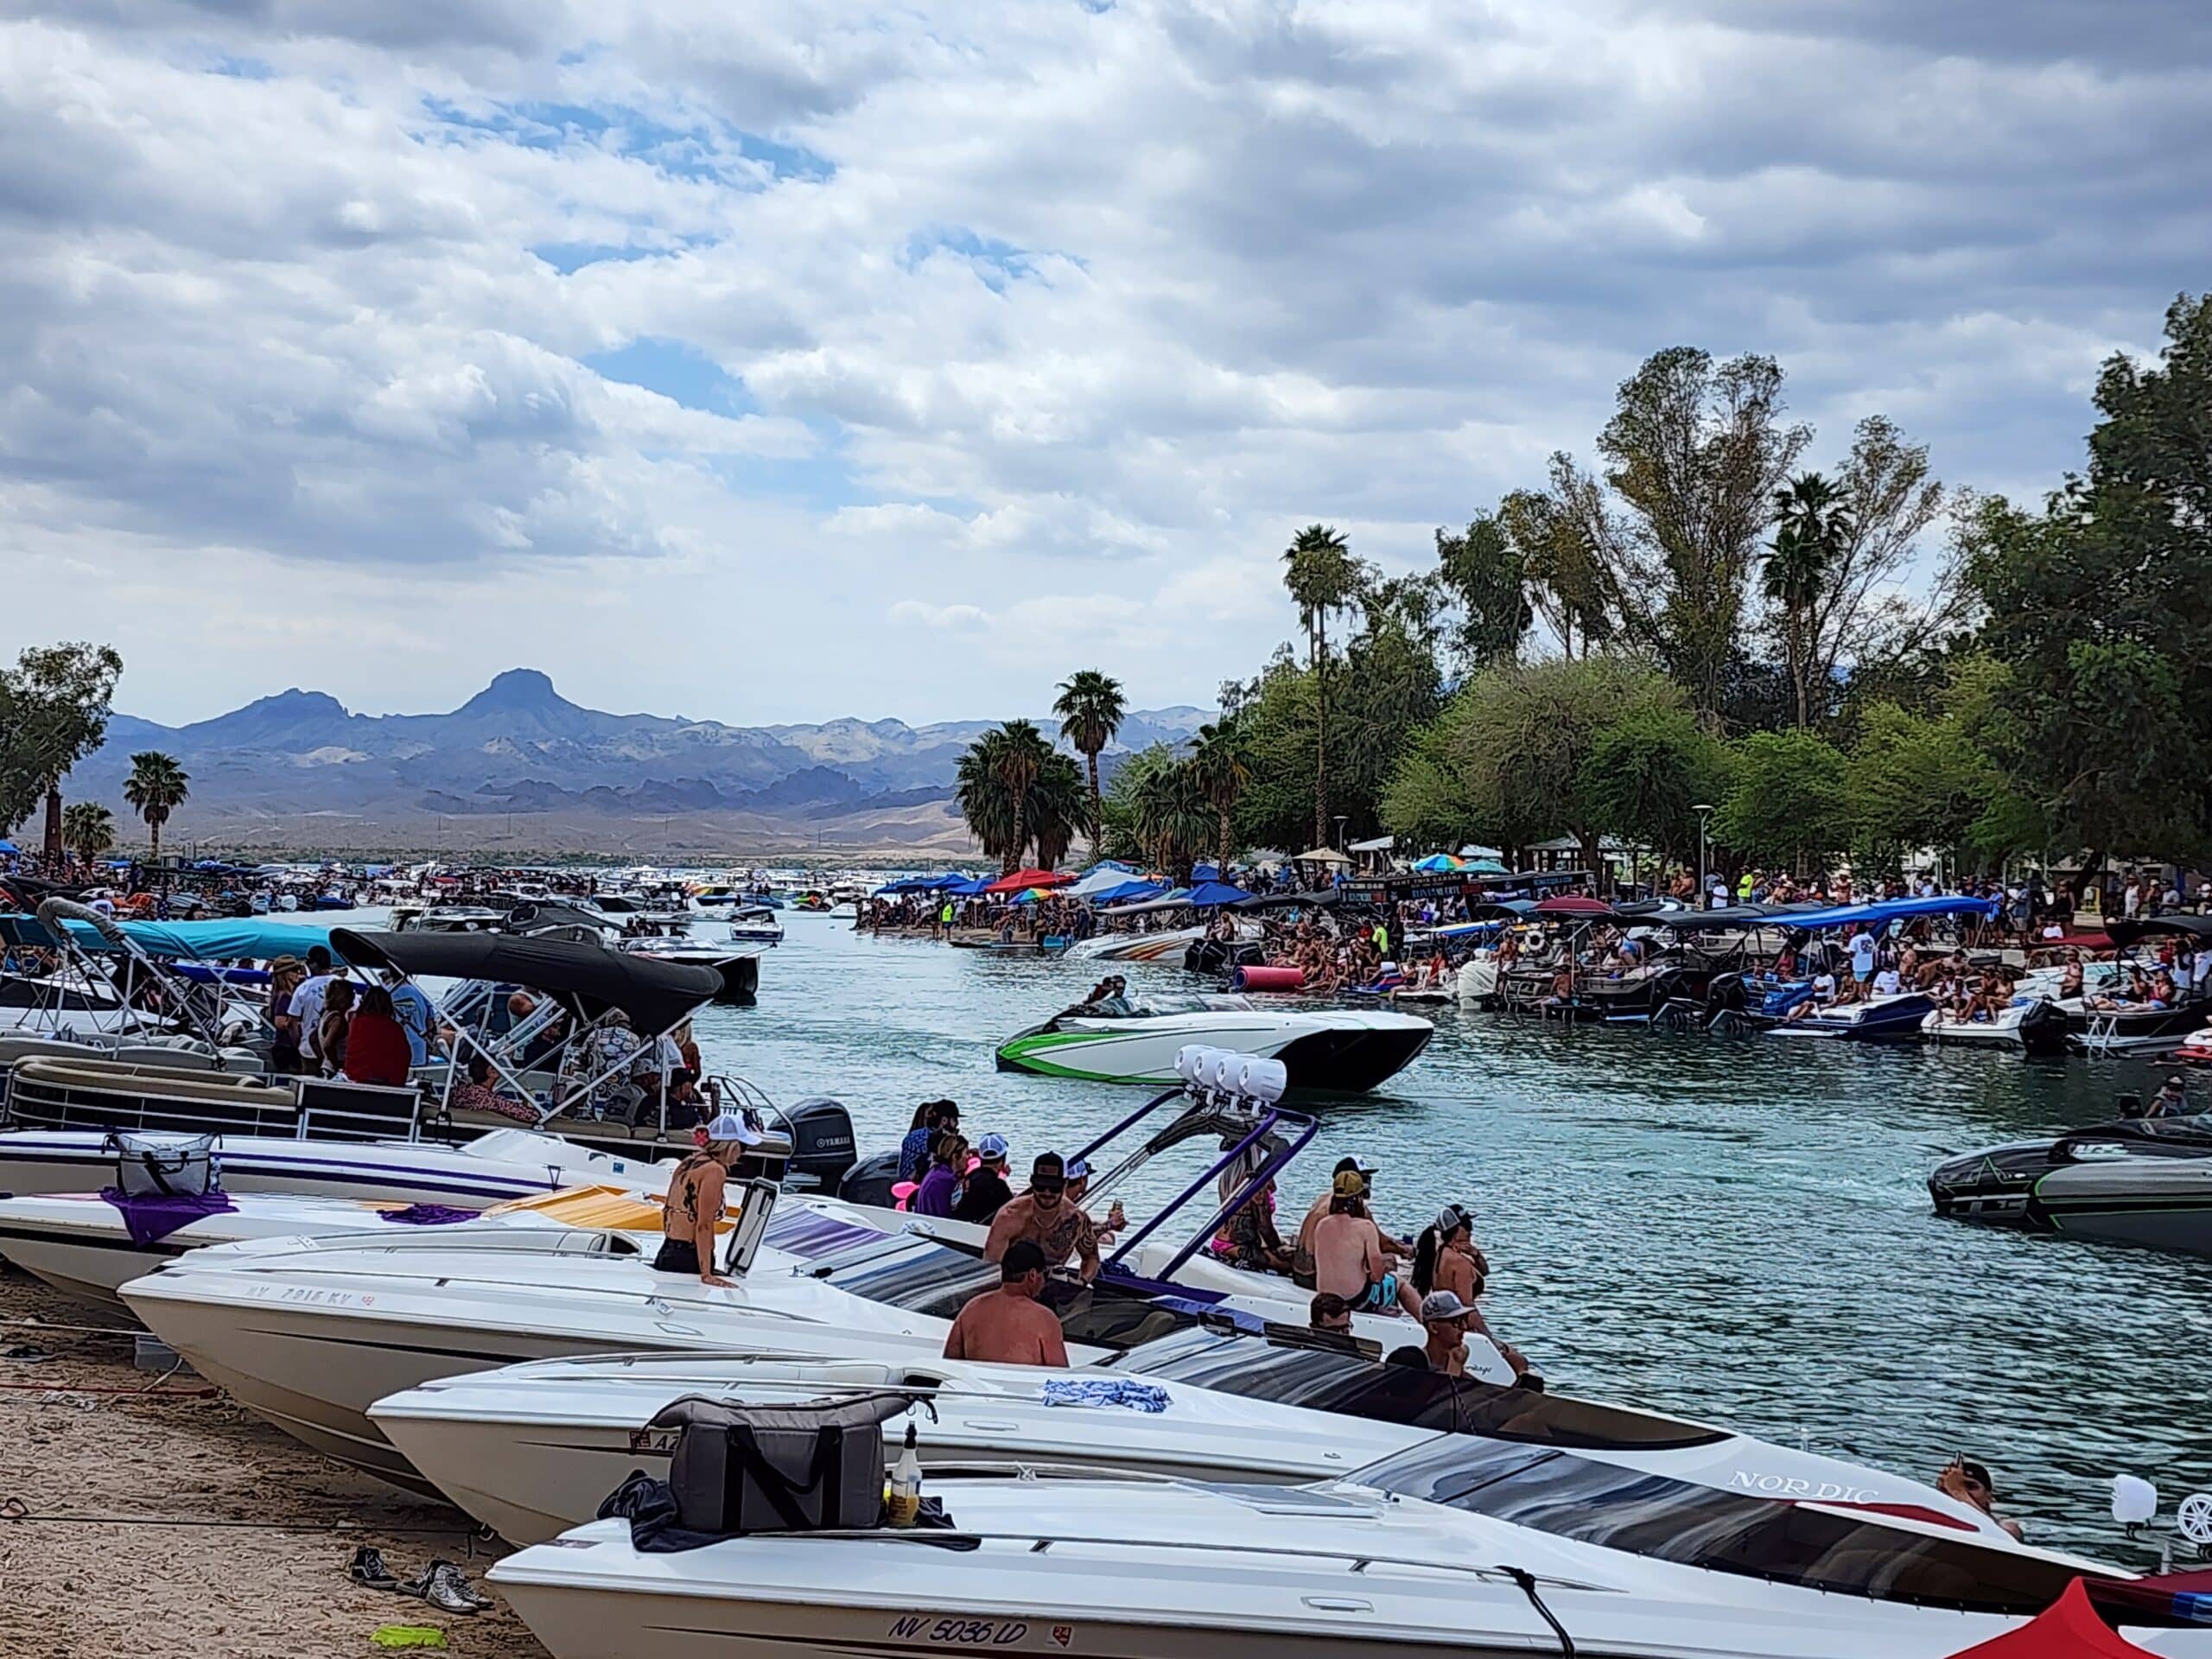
x: 1342, y: 818
x: 1704, y: 816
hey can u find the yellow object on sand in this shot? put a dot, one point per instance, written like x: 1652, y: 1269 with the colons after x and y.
x: 410, y: 1635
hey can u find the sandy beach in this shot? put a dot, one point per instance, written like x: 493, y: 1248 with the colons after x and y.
x: 162, y: 1519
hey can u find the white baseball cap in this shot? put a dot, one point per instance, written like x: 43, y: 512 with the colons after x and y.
x: 729, y: 1126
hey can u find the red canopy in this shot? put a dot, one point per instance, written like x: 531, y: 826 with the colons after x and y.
x: 2068, y: 1629
x: 1022, y: 880
x: 1574, y: 903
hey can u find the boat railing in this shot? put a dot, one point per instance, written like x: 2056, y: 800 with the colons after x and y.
x: 130, y: 1098
x: 1041, y: 1542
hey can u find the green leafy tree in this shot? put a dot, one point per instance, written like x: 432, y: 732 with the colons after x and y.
x: 87, y: 828
x: 1173, y: 816
x: 981, y: 795
x: 1645, y: 772
x: 1059, y: 806
x: 157, y: 785
x: 1789, y: 802
x: 1019, y: 760
x: 1012, y: 789
x: 1509, y: 760
x: 1323, y: 577
x: 1812, y: 527
x: 1487, y: 578
x: 1218, y: 765
x: 53, y: 711
x: 2097, y: 608
x: 1090, y: 708
x: 1554, y: 534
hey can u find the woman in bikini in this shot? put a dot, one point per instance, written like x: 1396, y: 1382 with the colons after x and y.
x: 695, y: 1204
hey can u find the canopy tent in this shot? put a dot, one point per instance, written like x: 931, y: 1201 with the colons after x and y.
x: 970, y: 887
x: 1379, y: 845
x: 1574, y: 903
x: 1174, y: 898
x: 1207, y: 894
x: 1326, y: 898
x: 1127, y: 893
x: 1484, y: 867
x: 1207, y: 873
x: 1103, y: 879
x: 9, y: 847
x: 1321, y: 856
x: 1482, y: 855
x: 656, y: 995
x: 1881, y: 913
x: 1022, y: 880
x: 2070, y: 1628
x: 245, y: 937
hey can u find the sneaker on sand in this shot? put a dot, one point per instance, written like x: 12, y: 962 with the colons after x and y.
x: 445, y: 1589
x: 367, y: 1568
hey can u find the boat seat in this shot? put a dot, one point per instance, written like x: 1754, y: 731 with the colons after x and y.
x: 166, y: 1081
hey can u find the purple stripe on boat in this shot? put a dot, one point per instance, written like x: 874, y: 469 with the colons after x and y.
x: 808, y: 1233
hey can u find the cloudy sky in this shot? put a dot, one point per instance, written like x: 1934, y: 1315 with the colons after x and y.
x: 781, y: 361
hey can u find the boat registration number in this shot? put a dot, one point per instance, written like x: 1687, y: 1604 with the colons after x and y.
x: 1021, y: 1635
x: 654, y: 1442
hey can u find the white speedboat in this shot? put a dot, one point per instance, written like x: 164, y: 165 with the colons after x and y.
x: 1532, y: 1550
x: 754, y: 924
x: 1330, y: 1049
x: 2031, y: 1025
x: 529, y: 1450
x: 739, y: 965
x: 1166, y: 945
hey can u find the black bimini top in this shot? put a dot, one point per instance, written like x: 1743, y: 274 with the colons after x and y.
x: 2124, y: 932
x: 589, y: 977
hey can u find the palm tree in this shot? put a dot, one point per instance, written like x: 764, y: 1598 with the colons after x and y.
x: 1217, y: 765
x: 1055, y: 809
x: 1173, y: 818
x: 1322, y: 576
x: 157, y: 785
x: 984, y: 804
x: 1812, y: 528
x: 88, y: 827
x: 1021, y: 756
x: 1090, y: 708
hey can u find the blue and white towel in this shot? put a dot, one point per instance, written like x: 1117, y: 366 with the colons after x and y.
x: 1106, y: 1391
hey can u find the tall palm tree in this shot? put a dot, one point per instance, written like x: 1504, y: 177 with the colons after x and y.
x: 1090, y: 708
x: 88, y: 827
x: 157, y: 785
x: 1173, y: 818
x: 1322, y: 576
x: 984, y: 805
x: 1218, y: 765
x: 1021, y: 756
x: 1812, y: 528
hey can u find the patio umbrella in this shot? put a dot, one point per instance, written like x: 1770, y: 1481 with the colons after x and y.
x: 1437, y: 864
x: 1321, y: 856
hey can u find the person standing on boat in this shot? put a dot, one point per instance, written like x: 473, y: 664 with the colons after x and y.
x: 695, y: 1199
x: 1044, y: 1217
x: 412, y: 1009
x: 940, y: 1186
x: 914, y: 1151
x: 1863, y: 948
x: 1010, y: 1325
x: 985, y: 1192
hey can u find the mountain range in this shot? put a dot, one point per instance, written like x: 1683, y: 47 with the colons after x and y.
x: 520, y: 768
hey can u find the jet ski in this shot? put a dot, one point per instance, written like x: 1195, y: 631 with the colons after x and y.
x: 2137, y: 1181
x: 1116, y: 1040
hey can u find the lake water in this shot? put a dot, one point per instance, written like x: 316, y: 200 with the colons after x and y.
x: 1732, y: 1230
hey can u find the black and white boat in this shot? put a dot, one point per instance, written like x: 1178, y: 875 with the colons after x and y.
x: 2136, y: 1181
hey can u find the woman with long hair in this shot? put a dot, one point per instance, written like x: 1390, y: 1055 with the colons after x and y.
x: 1445, y: 1257
x: 376, y: 1045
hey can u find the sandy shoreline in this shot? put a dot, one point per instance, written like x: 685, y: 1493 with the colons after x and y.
x: 86, y: 1434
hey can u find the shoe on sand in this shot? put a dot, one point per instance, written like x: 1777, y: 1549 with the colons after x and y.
x: 367, y: 1568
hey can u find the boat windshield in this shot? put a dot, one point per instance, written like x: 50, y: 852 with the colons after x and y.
x: 1670, y: 1519
x: 1153, y: 1006
x: 928, y: 1279
x: 1328, y: 1379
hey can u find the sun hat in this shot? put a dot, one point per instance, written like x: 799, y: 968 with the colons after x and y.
x: 729, y: 1126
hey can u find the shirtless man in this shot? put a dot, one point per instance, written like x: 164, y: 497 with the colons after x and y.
x: 1348, y: 1254
x: 1044, y: 1217
x: 1008, y: 1326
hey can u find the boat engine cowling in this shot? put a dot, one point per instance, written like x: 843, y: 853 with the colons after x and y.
x: 822, y: 1145
x: 870, y: 1180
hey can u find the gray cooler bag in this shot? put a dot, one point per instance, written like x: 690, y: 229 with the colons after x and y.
x: 804, y: 1468
x: 150, y: 1164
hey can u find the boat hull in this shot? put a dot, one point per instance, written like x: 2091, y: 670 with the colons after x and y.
x: 1335, y: 1054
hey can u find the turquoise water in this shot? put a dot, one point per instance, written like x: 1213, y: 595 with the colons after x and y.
x: 1735, y: 1230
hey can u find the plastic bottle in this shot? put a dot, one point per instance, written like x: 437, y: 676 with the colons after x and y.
x: 906, y: 1484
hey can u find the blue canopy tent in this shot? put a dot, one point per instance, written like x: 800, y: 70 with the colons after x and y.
x: 219, y: 941
x: 1207, y: 894
x: 970, y: 888
x: 1883, y: 911
x: 1128, y: 893
x: 9, y: 847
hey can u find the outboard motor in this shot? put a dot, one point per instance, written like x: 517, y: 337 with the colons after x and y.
x: 822, y: 1145
x: 870, y: 1181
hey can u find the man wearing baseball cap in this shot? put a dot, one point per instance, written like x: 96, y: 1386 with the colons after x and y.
x: 1443, y: 1316
x: 694, y: 1202
x: 1045, y: 1217
x: 985, y: 1192
x: 1009, y: 1326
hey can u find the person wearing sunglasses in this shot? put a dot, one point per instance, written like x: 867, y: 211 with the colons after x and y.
x: 1970, y: 1483
x: 1044, y: 1217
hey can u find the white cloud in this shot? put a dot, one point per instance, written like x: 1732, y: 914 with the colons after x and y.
x: 1034, y: 326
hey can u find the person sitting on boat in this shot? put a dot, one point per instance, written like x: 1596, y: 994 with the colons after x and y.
x: 1010, y: 1325
x: 1253, y: 1242
x: 694, y: 1202
x: 1079, y: 1189
x: 1970, y: 1483
x: 1044, y: 1217
x: 985, y: 1192
x: 1446, y: 1257
x: 2171, y: 1101
x: 1889, y: 980
x: 1348, y: 1255
x: 475, y: 1094
x: 914, y: 1151
x: 376, y: 1043
x: 940, y: 1187
x: 1115, y: 1003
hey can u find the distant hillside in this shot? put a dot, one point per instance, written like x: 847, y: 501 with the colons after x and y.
x: 519, y: 766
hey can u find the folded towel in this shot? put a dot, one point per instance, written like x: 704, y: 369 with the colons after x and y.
x: 1106, y: 1391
